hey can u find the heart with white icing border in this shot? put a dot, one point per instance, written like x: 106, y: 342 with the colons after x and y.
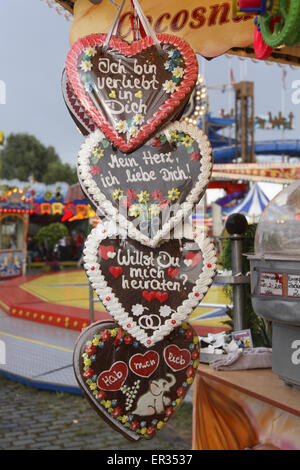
x: 135, y: 390
x: 145, y: 298
x: 131, y: 90
x: 152, y: 189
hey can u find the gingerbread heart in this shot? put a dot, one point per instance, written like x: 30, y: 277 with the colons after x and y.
x: 141, y: 293
x: 82, y: 120
x: 135, y: 390
x: 131, y: 90
x: 152, y: 189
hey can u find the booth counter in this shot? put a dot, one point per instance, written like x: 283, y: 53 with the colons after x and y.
x: 249, y: 409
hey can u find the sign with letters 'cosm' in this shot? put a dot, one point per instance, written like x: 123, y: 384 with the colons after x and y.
x: 207, y: 25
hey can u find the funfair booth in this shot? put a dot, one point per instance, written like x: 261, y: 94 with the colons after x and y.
x: 15, y: 209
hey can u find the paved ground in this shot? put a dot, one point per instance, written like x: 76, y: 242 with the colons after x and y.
x: 40, y: 419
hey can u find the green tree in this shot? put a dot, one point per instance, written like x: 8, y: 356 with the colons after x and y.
x: 58, y: 171
x: 24, y: 155
x: 52, y: 233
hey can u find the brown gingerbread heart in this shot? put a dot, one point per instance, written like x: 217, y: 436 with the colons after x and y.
x: 134, y: 389
x: 131, y: 90
x: 148, y: 291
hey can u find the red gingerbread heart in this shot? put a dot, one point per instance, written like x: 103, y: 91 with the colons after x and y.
x: 135, y: 390
x: 161, y: 296
x: 113, y: 378
x: 173, y: 272
x: 177, y: 358
x: 192, y: 259
x: 148, y: 295
x: 116, y: 271
x: 131, y: 90
x: 106, y: 252
x: 144, y: 364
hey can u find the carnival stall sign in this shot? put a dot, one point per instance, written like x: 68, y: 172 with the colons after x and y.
x: 260, y: 29
x: 15, y: 210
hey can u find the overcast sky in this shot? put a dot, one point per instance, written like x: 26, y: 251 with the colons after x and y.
x: 34, y: 44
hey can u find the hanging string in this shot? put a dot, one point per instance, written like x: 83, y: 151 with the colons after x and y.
x: 137, y: 28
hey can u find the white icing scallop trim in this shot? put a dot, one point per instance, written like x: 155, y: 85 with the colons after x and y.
x: 59, y: 9
x: 116, y: 309
x: 92, y: 190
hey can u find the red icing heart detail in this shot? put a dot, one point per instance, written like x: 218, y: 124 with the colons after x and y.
x: 144, y: 364
x: 173, y: 272
x: 105, y: 250
x: 169, y: 104
x: 194, y: 257
x: 148, y: 295
x: 177, y: 358
x: 116, y: 271
x: 161, y: 296
x: 113, y: 378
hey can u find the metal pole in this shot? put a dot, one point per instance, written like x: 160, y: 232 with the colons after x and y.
x: 239, y: 320
x: 236, y: 226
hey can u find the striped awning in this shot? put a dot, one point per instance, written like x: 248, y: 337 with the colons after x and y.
x: 253, y: 205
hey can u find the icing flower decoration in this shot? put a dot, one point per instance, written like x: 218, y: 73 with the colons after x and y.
x: 122, y: 127
x: 195, y: 156
x: 169, y: 66
x: 138, y: 119
x: 164, y: 204
x: 98, y: 152
x: 154, y: 209
x: 134, y: 210
x: 87, y: 362
x: 178, y: 72
x: 90, y: 51
x: 165, y: 311
x: 169, y: 86
x: 137, y: 310
x: 174, y: 53
x: 133, y: 131
x: 86, y: 65
x: 131, y: 194
x: 187, y: 140
x: 95, y: 170
x: 173, y: 194
x: 143, y: 196
x: 89, y: 87
x: 118, y: 194
x: 157, y: 195
x: 173, y: 136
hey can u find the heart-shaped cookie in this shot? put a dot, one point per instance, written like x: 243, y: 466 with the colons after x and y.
x: 133, y: 389
x: 82, y: 120
x: 141, y: 293
x: 152, y: 189
x: 131, y: 90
